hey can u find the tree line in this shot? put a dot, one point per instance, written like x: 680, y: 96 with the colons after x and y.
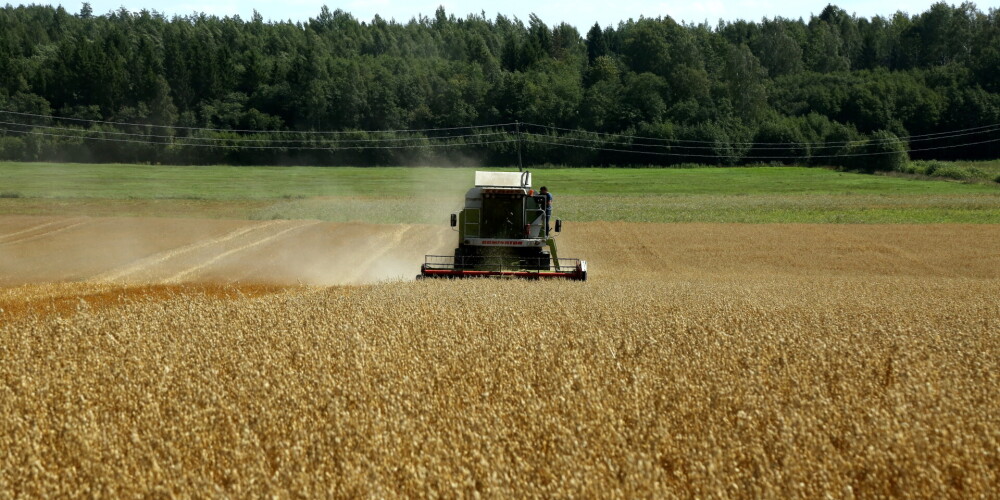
x: 835, y: 89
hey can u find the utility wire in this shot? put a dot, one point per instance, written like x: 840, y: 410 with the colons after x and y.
x: 184, y: 140
x: 755, y: 146
x: 618, y: 142
x: 692, y: 155
x: 227, y: 146
x: 532, y: 138
x: 676, y: 143
x: 251, y: 131
x: 227, y: 139
x: 993, y: 127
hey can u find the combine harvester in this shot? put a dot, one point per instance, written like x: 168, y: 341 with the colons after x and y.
x: 503, y: 232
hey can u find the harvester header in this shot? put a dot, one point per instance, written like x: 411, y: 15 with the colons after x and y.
x: 504, y: 230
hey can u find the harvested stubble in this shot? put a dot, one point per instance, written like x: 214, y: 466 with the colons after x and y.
x: 800, y: 387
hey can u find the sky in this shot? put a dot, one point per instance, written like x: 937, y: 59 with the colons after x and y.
x: 580, y: 13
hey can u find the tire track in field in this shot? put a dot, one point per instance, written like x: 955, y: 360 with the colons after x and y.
x: 34, y: 237
x: 188, y: 272
x: 30, y: 229
x: 895, y: 253
x: 161, y: 257
x: 362, y: 268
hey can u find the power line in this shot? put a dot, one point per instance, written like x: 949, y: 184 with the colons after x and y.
x: 287, y: 143
x: 252, y: 131
x: 755, y: 146
x: 227, y: 146
x: 675, y: 143
x: 230, y: 139
x: 619, y: 143
x: 532, y: 138
x: 967, y: 131
x: 692, y: 155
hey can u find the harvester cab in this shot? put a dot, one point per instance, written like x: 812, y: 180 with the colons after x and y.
x: 504, y: 231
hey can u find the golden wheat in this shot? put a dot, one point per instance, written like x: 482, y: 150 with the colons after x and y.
x: 756, y: 386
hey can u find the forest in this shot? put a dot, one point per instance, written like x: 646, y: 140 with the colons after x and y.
x: 834, y: 89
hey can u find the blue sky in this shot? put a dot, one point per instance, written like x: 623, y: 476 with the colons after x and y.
x: 580, y: 13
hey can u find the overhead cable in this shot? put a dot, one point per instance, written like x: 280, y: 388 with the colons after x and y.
x: 693, y: 155
x: 230, y: 146
x: 967, y: 131
x: 233, y: 139
x: 252, y: 131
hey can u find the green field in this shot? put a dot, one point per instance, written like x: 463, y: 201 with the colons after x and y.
x: 974, y: 171
x: 427, y: 195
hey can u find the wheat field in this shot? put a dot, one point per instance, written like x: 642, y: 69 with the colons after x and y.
x: 713, y: 361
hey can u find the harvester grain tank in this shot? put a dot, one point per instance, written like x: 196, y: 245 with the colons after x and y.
x: 503, y: 231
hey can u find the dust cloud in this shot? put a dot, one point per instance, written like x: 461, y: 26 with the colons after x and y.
x: 36, y: 249
x: 154, y: 250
